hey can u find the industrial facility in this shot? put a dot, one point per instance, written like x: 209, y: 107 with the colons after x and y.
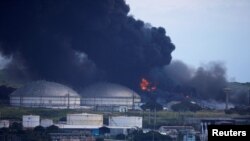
x: 45, y: 94
x: 108, y: 96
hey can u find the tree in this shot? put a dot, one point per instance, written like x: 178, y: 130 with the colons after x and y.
x: 186, y: 106
x: 52, y: 128
x: 152, y: 105
x: 16, y: 127
x: 39, y: 129
x: 120, y: 137
x: 140, y: 136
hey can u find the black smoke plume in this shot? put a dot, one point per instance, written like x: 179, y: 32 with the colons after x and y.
x: 78, y: 42
x: 206, y: 82
x: 210, y: 81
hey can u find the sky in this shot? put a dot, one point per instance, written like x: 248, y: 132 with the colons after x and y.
x: 203, y: 31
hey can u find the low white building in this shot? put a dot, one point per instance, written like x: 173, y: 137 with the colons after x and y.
x: 125, y: 121
x: 122, y: 124
x: 45, y: 94
x: 31, y: 121
x: 85, y: 119
x: 4, y: 123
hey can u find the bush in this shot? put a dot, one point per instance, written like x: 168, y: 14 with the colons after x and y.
x: 52, y: 128
x: 39, y: 129
x: 241, y: 110
x: 140, y: 136
x: 120, y: 137
x: 152, y: 106
x: 99, y: 139
x: 186, y: 106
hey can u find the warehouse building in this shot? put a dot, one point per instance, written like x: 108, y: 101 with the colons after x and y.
x: 45, y: 94
x: 125, y: 121
x: 122, y: 124
x: 83, y: 122
x: 110, y: 97
x: 85, y: 119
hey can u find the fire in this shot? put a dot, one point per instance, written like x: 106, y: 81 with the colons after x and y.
x: 147, y: 86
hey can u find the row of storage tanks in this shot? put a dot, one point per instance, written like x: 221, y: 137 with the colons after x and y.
x: 55, y: 95
x: 29, y: 121
x: 84, y: 120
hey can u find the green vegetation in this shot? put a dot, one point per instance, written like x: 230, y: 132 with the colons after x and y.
x: 152, y: 106
x: 241, y: 110
x: 186, y: 106
x: 140, y: 136
x: 16, y: 131
x: 242, y: 84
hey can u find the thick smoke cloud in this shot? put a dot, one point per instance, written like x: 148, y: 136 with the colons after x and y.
x: 210, y: 81
x: 169, y: 77
x: 82, y: 41
x: 206, y: 82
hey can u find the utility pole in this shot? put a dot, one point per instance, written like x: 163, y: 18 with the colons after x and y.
x: 68, y: 100
x: 227, y: 91
x: 149, y: 116
x: 154, y: 122
x: 133, y: 104
x: 249, y: 97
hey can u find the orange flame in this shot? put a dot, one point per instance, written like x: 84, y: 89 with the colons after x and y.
x: 147, y: 86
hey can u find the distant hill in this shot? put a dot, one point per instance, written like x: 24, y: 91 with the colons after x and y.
x: 239, y: 93
x: 240, y: 84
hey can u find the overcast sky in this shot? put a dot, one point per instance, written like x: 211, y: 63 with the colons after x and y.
x: 203, y: 30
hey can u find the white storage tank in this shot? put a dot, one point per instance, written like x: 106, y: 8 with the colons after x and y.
x: 85, y: 119
x: 45, y: 94
x: 109, y: 97
x: 46, y: 122
x: 125, y: 121
x: 4, y: 123
x: 31, y: 121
